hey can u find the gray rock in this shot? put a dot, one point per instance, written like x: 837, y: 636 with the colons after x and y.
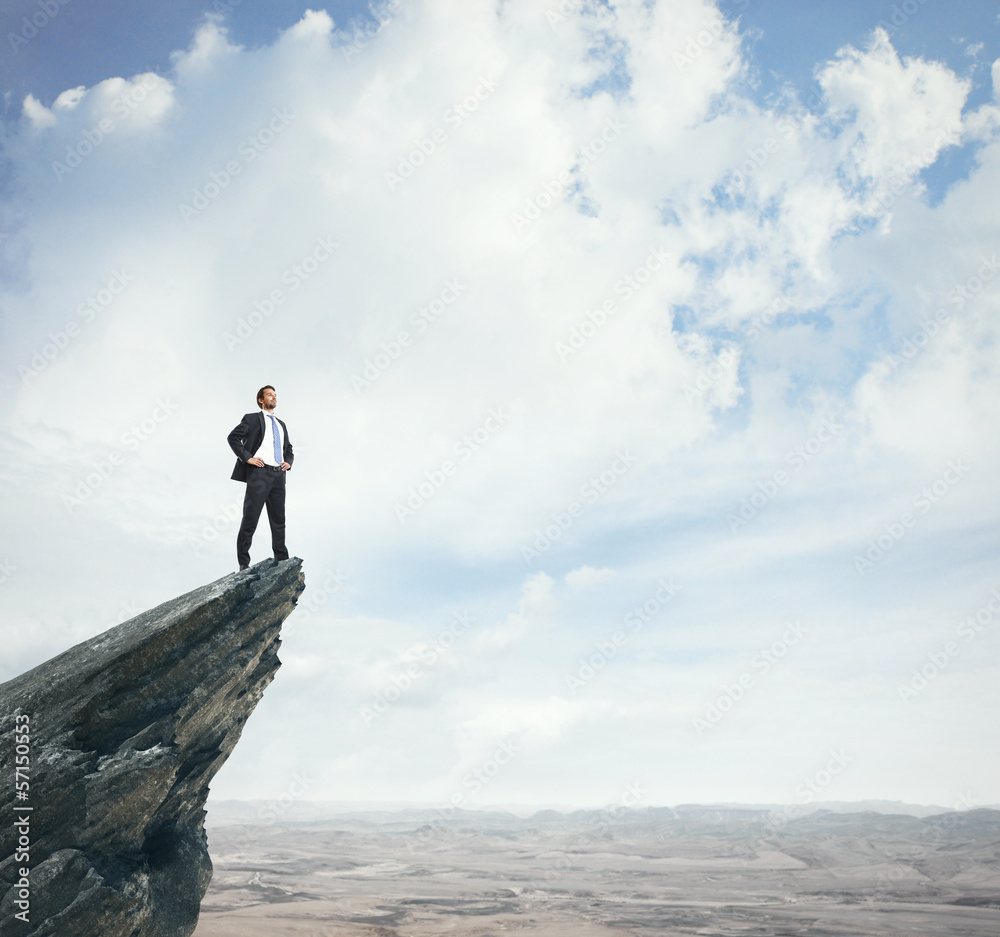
x: 127, y: 730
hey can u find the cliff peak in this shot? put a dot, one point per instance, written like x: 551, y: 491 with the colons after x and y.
x: 114, y: 743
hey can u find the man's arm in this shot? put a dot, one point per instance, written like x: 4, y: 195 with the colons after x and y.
x: 237, y: 436
x: 286, y: 451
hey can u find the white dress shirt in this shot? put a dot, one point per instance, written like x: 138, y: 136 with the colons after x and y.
x: 266, y: 451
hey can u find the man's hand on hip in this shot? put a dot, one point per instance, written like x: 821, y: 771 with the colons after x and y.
x: 255, y: 461
x: 284, y: 466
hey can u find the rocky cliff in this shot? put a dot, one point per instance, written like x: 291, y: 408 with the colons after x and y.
x: 107, y: 751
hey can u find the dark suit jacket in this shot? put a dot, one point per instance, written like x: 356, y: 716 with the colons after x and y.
x: 245, y: 440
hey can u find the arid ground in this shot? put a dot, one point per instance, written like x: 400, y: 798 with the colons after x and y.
x: 683, y: 871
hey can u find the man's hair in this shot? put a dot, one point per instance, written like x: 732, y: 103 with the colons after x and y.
x: 260, y: 393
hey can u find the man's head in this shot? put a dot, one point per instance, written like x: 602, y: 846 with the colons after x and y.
x: 266, y: 397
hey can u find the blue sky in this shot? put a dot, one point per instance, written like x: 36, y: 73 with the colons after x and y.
x: 710, y: 288
x: 86, y: 43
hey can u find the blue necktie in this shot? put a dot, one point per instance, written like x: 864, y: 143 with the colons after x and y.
x: 277, y: 441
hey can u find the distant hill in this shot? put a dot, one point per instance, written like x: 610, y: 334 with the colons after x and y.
x: 225, y: 812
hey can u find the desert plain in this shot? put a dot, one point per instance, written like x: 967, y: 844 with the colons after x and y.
x: 689, y: 870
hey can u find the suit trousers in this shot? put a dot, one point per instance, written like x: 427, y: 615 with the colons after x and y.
x: 265, y: 486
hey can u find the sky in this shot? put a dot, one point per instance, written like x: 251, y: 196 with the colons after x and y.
x: 639, y: 361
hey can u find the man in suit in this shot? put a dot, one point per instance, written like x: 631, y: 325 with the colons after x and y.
x: 263, y: 455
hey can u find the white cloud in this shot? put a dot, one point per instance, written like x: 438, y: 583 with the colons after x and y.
x: 902, y: 113
x: 314, y: 23
x: 38, y: 113
x: 533, y: 611
x: 211, y: 43
x: 69, y: 99
x: 587, y: 577
x: 725, y: 278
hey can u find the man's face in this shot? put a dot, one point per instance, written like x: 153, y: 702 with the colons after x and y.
x: 269, y: 400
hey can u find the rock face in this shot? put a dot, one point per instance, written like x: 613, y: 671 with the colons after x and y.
x: 122, y: 735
